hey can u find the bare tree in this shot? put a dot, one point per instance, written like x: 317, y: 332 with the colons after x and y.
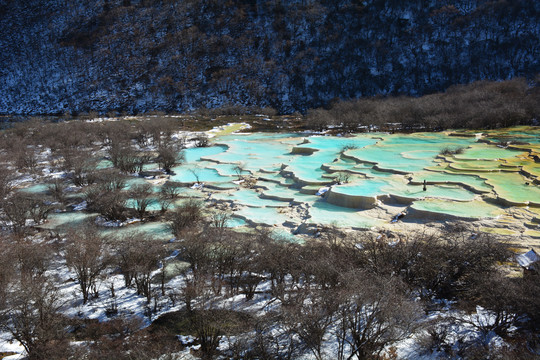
x: 111, y: 180
x: 196, y: 174
x: 239, y: 170
x: 196, y: 250
x: 167, y: 194
x: 123, y: 156
x: 374, y: 312
x: 106, y: 196
x: 20, y: 207
x: 25, y: 158
x: 110, y: 204
x: 201, y: 140
x: 138, y: 256
x: 33, y: 319
x: 218, y: 221
x: 82, y: 163
x: 87, y: 256
x: 188, y: 214
x: 57, y: 189
x: 142, y: 158
x: 273, y: 340
x: 6, y: 176
x: 169, y: 156
x: 32, y: 258
x: 312, y: 318
x: 16, y: 212
x: 500, y: 296
x: 7, y: 271
x: 141, y: 195
x: 170, y: 191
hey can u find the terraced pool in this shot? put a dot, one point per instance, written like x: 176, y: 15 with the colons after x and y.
x: 360, y: 181
x: 367, y: 171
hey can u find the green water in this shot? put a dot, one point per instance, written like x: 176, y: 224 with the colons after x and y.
x: 36, y: 189
x: 407, y: 153
x: 247, y: 197
x: 513, y: 187
x: 472, y: 209
x: 65, y: 220
x: 154, y: 230
x: 263, y: 215
x: 473, y: 181
x: 449, y: 192
x: 327, y: 214
x: 486, y: 152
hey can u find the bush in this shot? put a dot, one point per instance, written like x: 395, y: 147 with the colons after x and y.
x: 452, y: 151
x: 187, y: 215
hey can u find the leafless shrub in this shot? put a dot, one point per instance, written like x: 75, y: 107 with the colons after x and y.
x: 109, y: 203
x: 201, y: 140
x: 374, y: 312
x: 33, y: 319
x: 137, y: 257
x: 57, y: 189
x: 86, y: 255
x: 141, y: 195
x: 187, y: 215
x: 169, y: 191
x: 169, y: 156
x: 21, y: 207
x: 6, y: 177
x: 452, y: 151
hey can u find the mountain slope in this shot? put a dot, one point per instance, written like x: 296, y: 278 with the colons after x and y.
x: 141, y: 55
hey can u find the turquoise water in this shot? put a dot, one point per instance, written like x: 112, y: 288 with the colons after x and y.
x: 256, y: 151
x: 247, y: 197
x: 155, y: 230
x: 263, y: 215
x: 133, y: 181
x: 471, y: 180
x: 235, y: 222
x: 307, y: 168
x: 195, y: 154
x: 285, y: 235
x: 190, y: 173
x: 104, y: 164
x: 287, y: 169
x: 287, y: 194
x: 449, y: 192
x: 228, y: 170
x: 362, y: 188
x: 327, y: 214
x: 472, y: 209
x: 487, y: 152
x: 335, y: 144
x: 36, y: 189
x: 66, y: 220
x: 154, y: 204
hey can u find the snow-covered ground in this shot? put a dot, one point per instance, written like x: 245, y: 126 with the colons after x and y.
x: 130, y: 304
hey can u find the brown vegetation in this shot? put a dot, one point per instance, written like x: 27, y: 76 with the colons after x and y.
x: 480, y: 105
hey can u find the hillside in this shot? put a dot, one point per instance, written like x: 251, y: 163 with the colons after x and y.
x: 137, y: 55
